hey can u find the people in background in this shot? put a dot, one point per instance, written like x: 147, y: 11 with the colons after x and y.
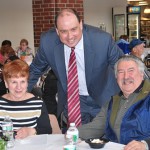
x: 147, y: 62
x: 124, y: 44
x: 96, y: 54
x: 145, y: 39
x: 125, y: 118
x: 5, y: 45
x: 28, y: 113
x: 24, y: 52
x: 137, y: 48
x: 3, y: 89
x: 146, y: 58
x: 148, y: 41
x: 8, y: 55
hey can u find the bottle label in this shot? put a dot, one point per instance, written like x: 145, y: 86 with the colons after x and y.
x: 8, y: 127
x: 75, y: 138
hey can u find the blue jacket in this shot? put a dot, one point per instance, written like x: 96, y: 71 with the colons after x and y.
x: 135, y: 124
x: 124, y: 45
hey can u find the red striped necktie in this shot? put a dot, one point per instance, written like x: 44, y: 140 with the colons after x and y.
x: 74, y: 114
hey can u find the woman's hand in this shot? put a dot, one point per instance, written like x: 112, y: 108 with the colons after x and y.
x: 24, y: 132
x: 135, y: 145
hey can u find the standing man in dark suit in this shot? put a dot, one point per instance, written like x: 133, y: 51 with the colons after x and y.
x: 96, y: 54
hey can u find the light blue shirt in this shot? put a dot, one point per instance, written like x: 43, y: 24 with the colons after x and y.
x: 79, y: 52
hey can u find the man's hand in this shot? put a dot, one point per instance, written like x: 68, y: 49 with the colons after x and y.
x: 135, y: 145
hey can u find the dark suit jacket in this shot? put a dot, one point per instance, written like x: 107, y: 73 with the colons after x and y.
x: 100, y: 53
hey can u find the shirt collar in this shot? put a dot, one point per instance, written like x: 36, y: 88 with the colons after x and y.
x: 80, y: 44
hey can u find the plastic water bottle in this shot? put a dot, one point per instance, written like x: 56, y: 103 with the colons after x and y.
x: 7, y: 129
x: 72, y: 130
x: 69, y: 139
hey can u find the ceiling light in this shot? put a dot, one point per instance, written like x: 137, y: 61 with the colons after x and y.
x: 147, y: 10
x: 143, y: 3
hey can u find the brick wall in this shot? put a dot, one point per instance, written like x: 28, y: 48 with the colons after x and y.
x: 44, y: 12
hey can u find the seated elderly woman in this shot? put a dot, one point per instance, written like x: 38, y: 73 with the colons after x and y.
x: 28, y: 113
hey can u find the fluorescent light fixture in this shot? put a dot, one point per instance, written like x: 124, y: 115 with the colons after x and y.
x: 143, y: 3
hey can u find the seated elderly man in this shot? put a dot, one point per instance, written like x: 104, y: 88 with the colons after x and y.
x: 137, y: 47
x: 125, y: 119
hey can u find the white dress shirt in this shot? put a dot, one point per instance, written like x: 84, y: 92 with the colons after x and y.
x: 79, y: 52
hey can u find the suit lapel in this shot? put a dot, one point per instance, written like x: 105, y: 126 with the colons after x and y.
x: 60, y: 64
x: 88, y: 57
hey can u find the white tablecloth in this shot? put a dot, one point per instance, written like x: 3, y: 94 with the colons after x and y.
x: 55, y: 142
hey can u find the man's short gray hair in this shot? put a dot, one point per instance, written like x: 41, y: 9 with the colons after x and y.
x: 139, y: 62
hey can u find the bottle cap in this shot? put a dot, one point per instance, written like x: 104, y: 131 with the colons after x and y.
x: 7, y: 116
x: 72, y: 124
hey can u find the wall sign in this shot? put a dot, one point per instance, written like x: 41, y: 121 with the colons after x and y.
x: 134, y: 9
